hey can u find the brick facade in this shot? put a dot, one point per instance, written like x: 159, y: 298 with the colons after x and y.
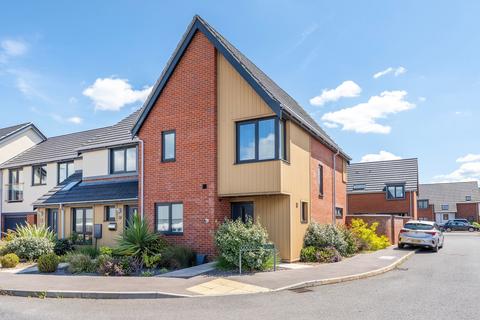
x: 376, y: 203
x: 468, y: 211
x: 187, y: 105
x: 388, y: 225
x: 426, y: 214
x: 321, y: 206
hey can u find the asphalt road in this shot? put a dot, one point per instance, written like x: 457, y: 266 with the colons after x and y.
x: 444, y: 285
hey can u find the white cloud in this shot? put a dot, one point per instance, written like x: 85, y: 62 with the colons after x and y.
x: 330, y: 125
x: 469, y: 171
x: 60, y: 119
x: 14, y: 48
x: 348, y: 89
x: 469, y: 158
x: 396, y: 72
x: 112, y: 93
x: 422, y: 99
x: 75, y: 120
x: 362, y: 117
x: 381, y: 156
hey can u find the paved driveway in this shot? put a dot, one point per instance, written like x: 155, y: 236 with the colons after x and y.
x: 429, y: 286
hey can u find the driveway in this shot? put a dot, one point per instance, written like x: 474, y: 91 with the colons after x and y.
x: 442, y: 285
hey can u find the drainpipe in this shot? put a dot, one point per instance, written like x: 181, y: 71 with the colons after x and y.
x: 1, y: 201
x: 141, y: 178
x: 62, y: 211
x: 334, y: 200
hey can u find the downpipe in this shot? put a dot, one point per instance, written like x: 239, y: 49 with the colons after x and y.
x: 334, y: 196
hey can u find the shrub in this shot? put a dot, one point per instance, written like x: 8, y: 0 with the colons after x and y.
x: 137, y: 240
x: 3, y: 250
x: 63, y: 246
x: 151, y: 261
x: 308, y: 254
x: 231, y: 236
x: 326, y: 235
x: 351, y: 240
x: 90, y: 251
x: 177, y: 257
x: 30, y: 248
x: 328, y: 255
x: 33, y: 231
x: 476, y: 224
x: 48, y: 263
x: 80, y: 263
x: 367, y: 236
x: 118, y: 266
x: 9, y: 260
x: 106, y: 251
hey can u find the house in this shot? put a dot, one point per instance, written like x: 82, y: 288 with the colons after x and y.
x: 13, y: 141
x: 74, y: 181
x: 441, y: 202
x: 383, y: 187
x: 219, y: 139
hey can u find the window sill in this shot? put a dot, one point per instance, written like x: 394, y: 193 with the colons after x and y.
x: 13, y: 201
x: 170, y: 233
x: 254, y: 161
x: 38, y: 185
x: 168, y: 160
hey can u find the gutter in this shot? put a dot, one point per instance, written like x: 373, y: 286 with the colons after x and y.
x: 334, y: 200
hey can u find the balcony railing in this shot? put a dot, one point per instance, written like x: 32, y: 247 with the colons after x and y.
x: 14, y: 192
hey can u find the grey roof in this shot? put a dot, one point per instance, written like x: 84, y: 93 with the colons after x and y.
x: 376, y: 175
x: 8, y: 131
x: 273, y: 95
x: 449, y: 193
x: 66, y: 147
x: 76, y: 177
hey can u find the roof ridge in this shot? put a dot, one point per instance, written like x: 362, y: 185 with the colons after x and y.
x: 376, y: 161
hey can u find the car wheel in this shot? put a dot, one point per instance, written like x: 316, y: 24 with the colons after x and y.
x: 449, y: 229
x: 471, y: 229
x: 401, y: 246
x: 435, y: 249
x: 441, y: 247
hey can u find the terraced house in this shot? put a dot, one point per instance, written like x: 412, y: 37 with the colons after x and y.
x: 222, y: 140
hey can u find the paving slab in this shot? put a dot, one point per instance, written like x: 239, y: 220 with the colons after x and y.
x: 190, y: 272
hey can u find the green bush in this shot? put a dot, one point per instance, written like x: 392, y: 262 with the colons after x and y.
x: 367, y: 236
x: 308, y: 254
x: 151, y: 261
x: 118, y: 266
x: 48, y: 263
x: 33, y: 231
x: 177, y: 257
x: 3, y: 250
x: 30, y: 248
x: 351, y: 240
x: 80, y: 263
x: 231, y: 236
x: 326, y: 235
x: 90, y: 251
x: 10, y: 260
x: 106, y: 251
x: 328, y: 255
x: 476, y: 224
x: 63, y: 246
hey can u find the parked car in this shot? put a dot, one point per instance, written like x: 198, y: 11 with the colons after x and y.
x: 418, y: 233
x: 459, y: 225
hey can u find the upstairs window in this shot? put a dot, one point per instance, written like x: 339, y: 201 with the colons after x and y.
x: 422, y: 204
x: 338, y: 213
x: 15, y: 185
x: 395, y: 192
x: 39, y: 175
x: 320, y: 179
x: 168, y: 146
x: 444, y: 207
x: 468, y: 198
x: 359, y: 186
x: 123, y: 160
x: 65, y: 170
x: 260, y: 140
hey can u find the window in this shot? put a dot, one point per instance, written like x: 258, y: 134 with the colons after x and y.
x: 338, y: 213
x: 468, y: 198
x: 168, y: 146
x: 83, y: 225
x: 260, y: 140
x: 110, y: 213
x: 304, y: 212
x: 444, y: 207
x: 422, y: 204
x: 395, y: 192
x: 65, y: 170
x: 344, y: 171
x: 445, y: 216
x: 169, y: 218
x: 359, y: 186
x: 15, y: 185
x: 123, y: 160
x: 39, y: 175
x: 320, y: 179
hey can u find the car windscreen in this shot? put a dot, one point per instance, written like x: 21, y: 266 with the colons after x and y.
x: 418, y: 226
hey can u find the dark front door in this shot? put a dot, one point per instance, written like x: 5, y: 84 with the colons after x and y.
x: 52, y: 216
x: 130, y: 212
x: 10, y: 223
x: 242, y: 210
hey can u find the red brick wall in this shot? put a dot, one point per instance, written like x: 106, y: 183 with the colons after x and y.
x: 187, y: 105
x: 467, y: 211
x: 322, y: 205
x: 376, y: 203
x: 426, y: 213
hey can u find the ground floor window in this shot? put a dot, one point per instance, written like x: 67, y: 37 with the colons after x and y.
x: 83, y: 225
x: 169, y: 218
x: 52, y: 216
x: 242, y: 210
x: 338, y: 213
x: 304, y: 212
x: 445, y: 216
x: 109, y: 213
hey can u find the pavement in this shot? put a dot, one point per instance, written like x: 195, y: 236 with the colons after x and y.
x: 440, y: 286
x: 67, y: 286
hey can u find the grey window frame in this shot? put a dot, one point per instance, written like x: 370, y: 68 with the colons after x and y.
x: 164, y: 133
x: 112, y: 160
x: 468, y: 198
x: 356, y: 187
x: 445, y: 206
x: 68, y: 174
x: 106, y: 216
x: 169, y: 205
x: 303, y: 212
x: 33, y: 175
x: 19, y: 197
x: 84, y: 224
x: 422, y: 201
x: 395, y: 195
x: 338, y: 209
x: 320, y: 180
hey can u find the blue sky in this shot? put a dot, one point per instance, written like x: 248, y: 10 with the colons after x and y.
x: 79, y: 65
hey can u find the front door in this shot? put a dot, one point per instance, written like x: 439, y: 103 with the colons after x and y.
x: 130, y: 212
x: 242, y: 210
x: 52, y: 216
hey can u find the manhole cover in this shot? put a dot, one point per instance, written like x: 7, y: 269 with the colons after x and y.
x: 301, y: 290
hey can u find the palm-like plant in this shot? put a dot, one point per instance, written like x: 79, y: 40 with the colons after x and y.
x: 32, y: 231
x: 137, y: 240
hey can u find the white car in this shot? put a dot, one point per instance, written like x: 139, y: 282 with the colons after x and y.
x: 421, y: 233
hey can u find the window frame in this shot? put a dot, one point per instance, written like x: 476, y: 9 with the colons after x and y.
x: 170, y: 205
x: 84, y: 224
x: 276, y: 130
x: 33, y: 175
x: 395, y: 195
x: 338, y: 209
x: 442, y: 206
x: 356, y: 187
x: 164, y: 133
x: 112, y: 159
x: 19, y: 183
x: 106, y: 214
x: 423, y: 201
x: 468, y: 198
x: 320, y: 180
x: 68, y: 174
x: 303, y: 212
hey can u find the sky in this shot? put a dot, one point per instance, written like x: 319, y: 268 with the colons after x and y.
x: 385, y: 79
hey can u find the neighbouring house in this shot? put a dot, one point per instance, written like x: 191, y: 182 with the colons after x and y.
x: 383, y: 187
x: 222, y: 140
x: 13, y: 141
x: 75, y: 181
x: 441, y: 202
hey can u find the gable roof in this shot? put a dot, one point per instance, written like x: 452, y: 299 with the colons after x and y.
x: 449, y: 193
x: 9, y: 131
x: 274, y: 96
x: 376, y: 175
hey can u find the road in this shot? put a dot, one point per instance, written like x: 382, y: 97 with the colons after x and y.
x: 444, y: 285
